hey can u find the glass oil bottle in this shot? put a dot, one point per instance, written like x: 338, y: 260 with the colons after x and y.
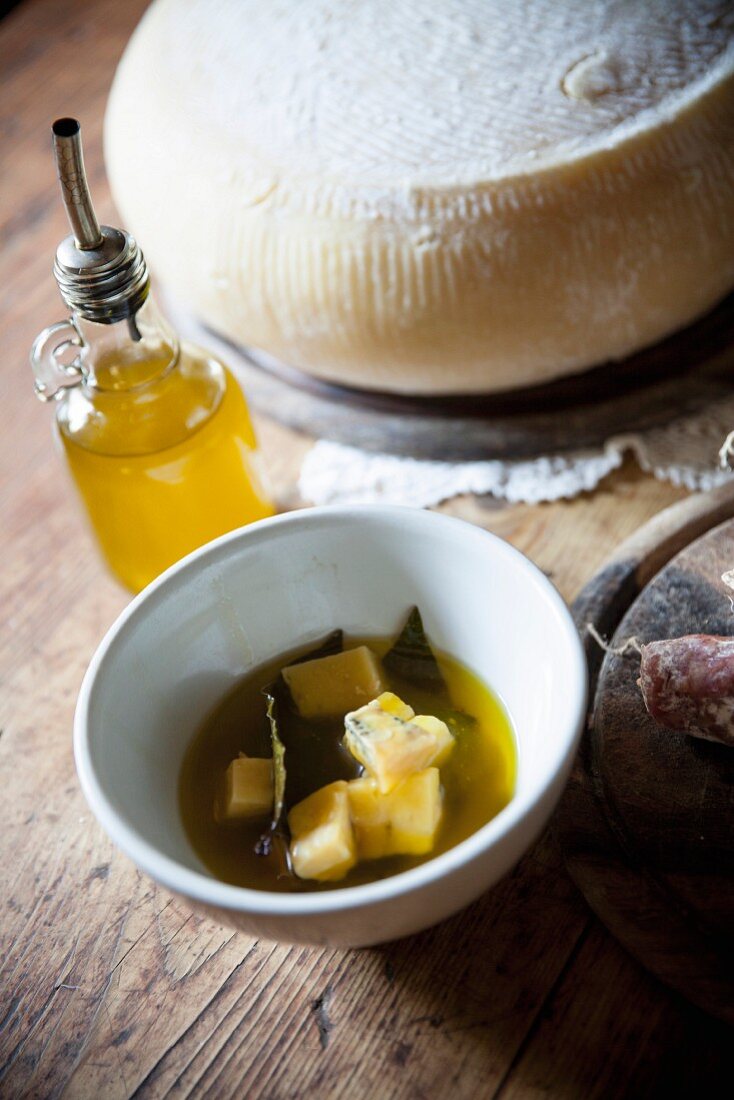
x: 156, y: 433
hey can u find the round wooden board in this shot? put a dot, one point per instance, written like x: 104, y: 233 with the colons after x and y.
x: 680, y: 375
x: 647, y: 821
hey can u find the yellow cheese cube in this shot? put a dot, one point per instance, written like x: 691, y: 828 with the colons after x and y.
x: 415, y: 813
x: 248, y: 789
x: 403, y: 822
x: 322, y: 838
x: 442, y: 733
x: 328, y: 687
x: 393, y: 744
x: 393, y: 704
x: 389, y: 748
x: 370, y: 812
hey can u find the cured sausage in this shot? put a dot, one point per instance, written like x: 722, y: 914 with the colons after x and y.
x: 688, y: 684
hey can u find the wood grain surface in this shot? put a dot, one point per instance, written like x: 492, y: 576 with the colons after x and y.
x: 109, y: 987
x: 647, y: 819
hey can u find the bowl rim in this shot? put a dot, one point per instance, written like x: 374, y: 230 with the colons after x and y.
x: 210, y: 891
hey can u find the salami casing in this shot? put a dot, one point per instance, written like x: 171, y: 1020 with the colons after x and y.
x: 688, y: 684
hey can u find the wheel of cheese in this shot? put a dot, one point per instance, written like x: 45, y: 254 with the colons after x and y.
x: 432, y: 196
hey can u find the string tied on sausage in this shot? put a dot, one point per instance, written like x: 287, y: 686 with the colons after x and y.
x: 726, y: 452
x: 630, y: 645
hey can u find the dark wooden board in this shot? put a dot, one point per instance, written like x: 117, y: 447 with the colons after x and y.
x: 647, y: 822
x: 679, y: 375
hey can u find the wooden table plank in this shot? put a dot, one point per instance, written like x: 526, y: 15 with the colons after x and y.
x: 110, y: 986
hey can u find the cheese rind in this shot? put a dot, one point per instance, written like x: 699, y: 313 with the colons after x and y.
x: 526, y: 190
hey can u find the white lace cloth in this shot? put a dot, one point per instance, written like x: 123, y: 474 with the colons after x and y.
x: 684, y: 452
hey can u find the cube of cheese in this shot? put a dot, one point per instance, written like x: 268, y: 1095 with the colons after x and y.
x: 391, y: 748
x: 444, y: 738
x: 415, y: 813
x: 248, y: 789
x: 323, y: 845
x: 370, y: 812
x: 388, y: 747
x: 328, y: 687
x: 393, y: 704
x: 403, y: 822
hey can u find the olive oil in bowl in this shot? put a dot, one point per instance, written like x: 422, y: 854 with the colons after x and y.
x: 477, y: 779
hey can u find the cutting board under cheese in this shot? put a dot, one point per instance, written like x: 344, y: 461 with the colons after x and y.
x: 688, y: 372
x: 432, y: 196
x: 647, y: 822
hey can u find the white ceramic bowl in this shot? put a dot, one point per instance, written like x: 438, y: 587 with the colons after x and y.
x: 259, y: 591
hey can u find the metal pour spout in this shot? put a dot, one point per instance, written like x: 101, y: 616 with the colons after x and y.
x: 74, y: 190
x: 100, y: 270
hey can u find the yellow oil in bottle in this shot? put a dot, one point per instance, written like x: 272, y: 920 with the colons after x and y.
x: 156, y: 434
x: 163, y: 454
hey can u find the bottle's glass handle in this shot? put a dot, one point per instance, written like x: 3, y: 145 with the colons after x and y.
x: 56, y: 360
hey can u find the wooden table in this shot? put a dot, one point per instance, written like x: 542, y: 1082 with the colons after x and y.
x: 109, y: 986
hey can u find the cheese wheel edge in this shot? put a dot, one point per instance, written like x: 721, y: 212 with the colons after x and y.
x: 434, y: 290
